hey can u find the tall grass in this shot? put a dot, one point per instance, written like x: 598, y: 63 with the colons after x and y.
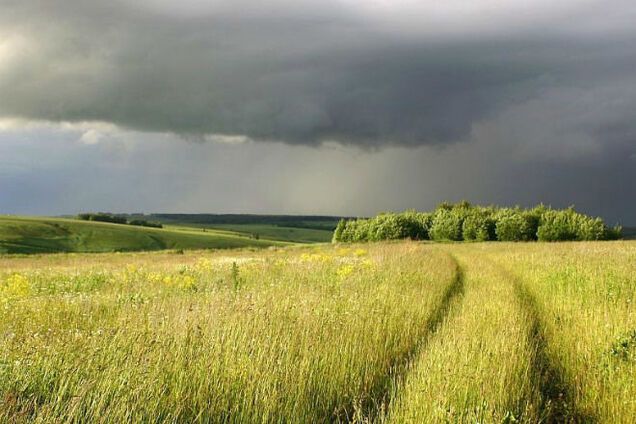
x: 397, y: 332
x: 302, y: 335
x: 478, y: 366
x: 586, y: 296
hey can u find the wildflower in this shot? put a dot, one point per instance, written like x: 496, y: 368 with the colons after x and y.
x: 204, y: 265
x: 188, y: 283
x: 315, y: 257
x: 183, y: 282
x: 15, y: 286
x: 154, y: 277
x: 345, y: 270
x: 367, y: 263
x: 360, y: 252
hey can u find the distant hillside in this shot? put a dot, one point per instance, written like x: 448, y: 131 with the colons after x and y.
x: 301, y: 221
x: 46, y: 235
x: 629, y: 233
x: 292, y: 228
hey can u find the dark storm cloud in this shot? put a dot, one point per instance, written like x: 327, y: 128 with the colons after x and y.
x: 300, y: 72
x: 496, y: 101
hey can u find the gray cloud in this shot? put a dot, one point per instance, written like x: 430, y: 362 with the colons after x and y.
x: 52, y: 171
x: 301, y: 72
x: 492, y: 101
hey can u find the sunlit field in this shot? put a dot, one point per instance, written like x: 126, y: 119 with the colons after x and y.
x: 379, y: 332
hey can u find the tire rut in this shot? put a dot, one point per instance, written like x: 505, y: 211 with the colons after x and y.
x: 374, y: 406
x: 556, y: 399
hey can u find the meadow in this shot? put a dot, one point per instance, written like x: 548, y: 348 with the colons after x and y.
x: 267, y: 232
x: 288, y: 228
x: 381, y: 332
x: 28, y: 235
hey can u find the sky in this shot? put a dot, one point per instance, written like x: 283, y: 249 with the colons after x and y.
x: 338, y: 107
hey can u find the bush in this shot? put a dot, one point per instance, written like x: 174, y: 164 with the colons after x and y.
x: 352, y: 231
x: 421, y: 227
x: 564, y: 225
x: 102, y: 217
x: 614, y: 233
x: 360, y: 230
x: 337, y: 233
x: 447, y: 225
x: 385, y: 227
x: 589, y: 228
x: 143, y: 223
x: 463, y: 221
x: 556, y: 226
x: 479, y: 225
x: 516, y: 225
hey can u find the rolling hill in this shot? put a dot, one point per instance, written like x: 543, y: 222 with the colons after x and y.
x: 291, y: 228
x: 48, y: 235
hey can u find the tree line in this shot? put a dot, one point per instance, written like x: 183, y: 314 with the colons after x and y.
x: 465, y: 222
x: 116, y: 219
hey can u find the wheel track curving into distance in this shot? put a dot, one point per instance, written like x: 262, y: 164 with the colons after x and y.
x: 375, y: 405
x: 557, y: 403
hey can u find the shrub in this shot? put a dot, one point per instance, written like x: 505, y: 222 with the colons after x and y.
x: 346, y: 234
x: 564, y: 225
x: 422, y: 223
x: 479, y: 225
x: 614, y: 233
x: 516, y: 225
x: 143, y: 223
x: 337, y: 233
x: 567, y: 224
x: 102, y: 217
x: 354, y: 230
x: 385, y: 227
x: 555, y: 226
x: 466, y: 222
x: 589, y: 228
x: 447, y: 225
x: 360, y: 230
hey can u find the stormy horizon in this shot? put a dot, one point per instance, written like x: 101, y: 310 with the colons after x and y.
x: 340, y: 107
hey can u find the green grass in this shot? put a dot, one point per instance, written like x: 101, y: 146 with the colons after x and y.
x: 479, y: 367
x: 272, y: 232
x: 585, y: 296
x: 400, y: 332
x: 47, y: 235
x: 295, y: 229
x: 297, y: 335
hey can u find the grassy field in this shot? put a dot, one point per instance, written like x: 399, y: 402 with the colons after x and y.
x: 47, y: 235
x: 295, y: 229
x: 271, y: 232
x: 387, y: 332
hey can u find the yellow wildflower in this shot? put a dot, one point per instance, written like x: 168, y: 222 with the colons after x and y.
x: 154, y: 277
x: 345, y: 270
x: 184, y: 282
x: 204, y: 265
x: 187, y: 283
x: 315, y: 257
x: 15, y: 286
x: 360, y: 252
